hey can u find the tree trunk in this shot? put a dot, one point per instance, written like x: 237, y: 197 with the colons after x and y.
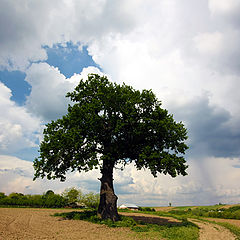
x: 107, y: 208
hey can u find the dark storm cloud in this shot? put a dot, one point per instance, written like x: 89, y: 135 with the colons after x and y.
x: 211, y: 129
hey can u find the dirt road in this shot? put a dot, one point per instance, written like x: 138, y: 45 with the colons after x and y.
x: 209, y: 231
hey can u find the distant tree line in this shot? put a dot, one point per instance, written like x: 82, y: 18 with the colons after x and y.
x: 71, y: 197
x: 219, y: 212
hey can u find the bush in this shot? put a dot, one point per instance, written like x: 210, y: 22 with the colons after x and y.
x: 72, y: 196
x: 2, y: 195
x: 91, y: 200
x: 146, y: 209
x: 52, y: 200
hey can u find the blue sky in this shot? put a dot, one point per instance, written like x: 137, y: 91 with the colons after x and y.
x: 187, y: 53
x: 70, y: 59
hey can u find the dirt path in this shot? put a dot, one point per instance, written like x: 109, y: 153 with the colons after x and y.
x: 231, y: 221
x: 212, y: 231
x: 35, y: 224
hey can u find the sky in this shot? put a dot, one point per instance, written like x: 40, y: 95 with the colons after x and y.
x: 186, y: 51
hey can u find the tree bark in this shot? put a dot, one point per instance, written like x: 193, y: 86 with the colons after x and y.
x: 107, y: 208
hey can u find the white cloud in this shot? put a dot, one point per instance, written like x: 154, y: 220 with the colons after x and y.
x: 27, y: 26
x: 180, y: 49
x: 224, y: 7
x: 204, y: 184
x: 18, y: 128
x: 209, y: 43
x: 16, y: 175
x: 49, y: 88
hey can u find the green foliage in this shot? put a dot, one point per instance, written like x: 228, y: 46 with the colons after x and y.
x: 49, y: 192
x: 91, y: 200
x: 91, y: 216
x: 180, y: 231
x: 73, y: 195
x: 210, y: 211
x: 146, y: 209
x: 2, y: 195
x: 50, y: 199
x: 53, y: 201
x: 111, y: 121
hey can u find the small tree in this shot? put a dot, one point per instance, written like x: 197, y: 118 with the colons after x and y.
x: 111, y: 124
x: 2, y: 195
x: 52, y: 200
x: 91, y: 200
x: 72, y: 195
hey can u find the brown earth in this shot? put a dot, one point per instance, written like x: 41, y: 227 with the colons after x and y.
x: 148, y: 218
x: 209, y: 231
x: 35, y: 224
x: 228, y: 206
x: 164, y: 209
x: 28, y: 224
x: 231, y: 221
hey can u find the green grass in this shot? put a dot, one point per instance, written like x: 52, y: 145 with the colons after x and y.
x: 173, y: 231
x: 177, y: 231
x: 182, y: 208
x: 91, y: 216
x: 208, y: 211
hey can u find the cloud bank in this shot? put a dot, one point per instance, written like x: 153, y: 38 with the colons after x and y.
x: 187, y: 52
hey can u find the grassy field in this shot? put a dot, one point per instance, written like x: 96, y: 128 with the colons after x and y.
x: 156, y: 228
x: 143, y: 224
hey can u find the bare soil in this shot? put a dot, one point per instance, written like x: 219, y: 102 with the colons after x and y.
x: 29, y: 224
x: 209, y: 231
x: 164, y: 209
x: 229, y: 206
x: 231, y: 221
x: 148, y: 218
x: 34, y: 224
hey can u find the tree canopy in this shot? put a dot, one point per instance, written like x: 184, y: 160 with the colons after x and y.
x: 111, y: 124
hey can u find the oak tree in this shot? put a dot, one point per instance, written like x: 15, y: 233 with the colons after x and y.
x: 110, y: 124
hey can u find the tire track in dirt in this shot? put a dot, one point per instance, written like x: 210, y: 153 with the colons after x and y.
x: 29, y: 221
x: 212, y: 231
x: 10, y: 226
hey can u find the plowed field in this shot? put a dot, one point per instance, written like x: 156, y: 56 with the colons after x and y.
x: 34, y: 224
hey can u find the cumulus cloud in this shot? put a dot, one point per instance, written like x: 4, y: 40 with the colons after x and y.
x: 16, y: 175
x: 224, y: 7
x: 219, y: 50
x: 18, y: 128
x: 26, y: 26
x: 212, y: 130
x: 186, y: 51
x: 49, y: 88
x: 133, y: 186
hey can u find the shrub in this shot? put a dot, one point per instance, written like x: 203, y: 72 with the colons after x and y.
x: 147, y: 209
x: 91, y: 200
x: 72, y: 196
